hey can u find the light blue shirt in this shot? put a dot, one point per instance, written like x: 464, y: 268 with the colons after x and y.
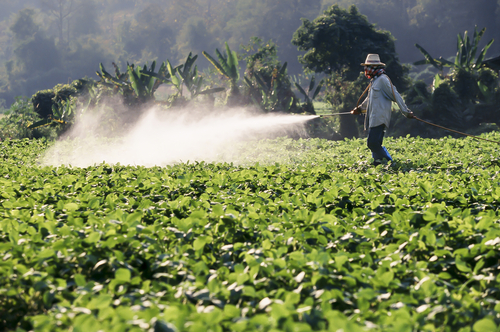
x: 378, y: 104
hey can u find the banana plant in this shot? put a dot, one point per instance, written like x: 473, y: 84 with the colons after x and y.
x: 271, y: 93
x: 192, y: 79
x: 143, y: 85
x: 312, y: 83
x: 465, y: 58
x: 227, y: 66
x: 62, y: 113
x: 118, y: 81
x: 308, y: 99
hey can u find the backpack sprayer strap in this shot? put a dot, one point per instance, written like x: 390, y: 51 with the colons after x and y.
x: 394, y: 95
x: 361, y: 97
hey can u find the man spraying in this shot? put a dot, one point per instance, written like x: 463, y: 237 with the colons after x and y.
x: 377, y: 106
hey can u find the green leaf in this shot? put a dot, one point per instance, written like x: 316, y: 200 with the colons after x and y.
x: 481, y: 56
x: 80, y: 280
x: 71, y: 206
x: 215, y: 64
x: 136, y: 82
x: 122, y: 275
x: 200, y: 243
x: 318, y: 89
x: 311, y: 85
x: 212, y: 90
x: 40, y: 123
x: 461, y: 265
x: 101, y: 301
x: 301, y: 90
x: 484, y: 325
x: 428, y: 58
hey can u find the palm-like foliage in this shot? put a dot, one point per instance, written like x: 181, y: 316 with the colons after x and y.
x: 271, y: 90
x: 192, y: 79
x: 307, y: 94
x: 140, y: 83
x: 465, y: 58
x: 227, y: 65
x: 308, y: 105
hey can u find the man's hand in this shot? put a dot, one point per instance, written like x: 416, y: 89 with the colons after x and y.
x: 410, y: 115
x: 356, y: 111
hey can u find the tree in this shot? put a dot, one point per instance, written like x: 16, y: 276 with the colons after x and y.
x: 148, y: 36
x: 35, y: 60
x: 228, y: 67
x: 85, y: 21
x: 274, y: 20
x: 339, y: 40
x: 336, y: 43
x: 468, y: 95
x: 60, y: 10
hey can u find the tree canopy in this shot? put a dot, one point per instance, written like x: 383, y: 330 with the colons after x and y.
x: 79, y: 34
x: 339, y: 40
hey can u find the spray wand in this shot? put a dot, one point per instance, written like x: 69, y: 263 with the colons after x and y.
x: 426, y: 122
x: 342, y: 113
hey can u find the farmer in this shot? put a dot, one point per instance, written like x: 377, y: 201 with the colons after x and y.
x: 377, y: 106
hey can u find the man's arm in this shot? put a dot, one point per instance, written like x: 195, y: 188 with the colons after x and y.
x: 361, y: 109
x: 392, y: 93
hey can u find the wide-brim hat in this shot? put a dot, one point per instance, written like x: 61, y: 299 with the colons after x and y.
x: 373, y: 60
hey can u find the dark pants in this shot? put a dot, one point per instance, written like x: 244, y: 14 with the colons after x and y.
x: 374, y: 142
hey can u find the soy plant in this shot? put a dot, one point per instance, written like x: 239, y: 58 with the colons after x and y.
x: 302, y: 234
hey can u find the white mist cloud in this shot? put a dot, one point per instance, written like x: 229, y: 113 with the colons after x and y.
x: 168, y: 137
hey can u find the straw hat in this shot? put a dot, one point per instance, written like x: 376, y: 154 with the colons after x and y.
x: 373, y: 60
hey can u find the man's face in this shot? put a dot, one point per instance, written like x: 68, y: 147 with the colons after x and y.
x: 368, y: 71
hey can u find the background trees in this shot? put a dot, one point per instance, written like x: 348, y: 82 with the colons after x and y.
x: 336, y: 43
x: 339, y: 40
x: 48, y: 42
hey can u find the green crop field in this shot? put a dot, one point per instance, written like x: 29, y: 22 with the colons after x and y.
x: 295, y: 235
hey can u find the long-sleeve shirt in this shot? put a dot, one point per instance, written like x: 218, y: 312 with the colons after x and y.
x: 379, y: 101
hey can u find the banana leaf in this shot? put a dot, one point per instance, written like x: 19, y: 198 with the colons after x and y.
x: 136, y: 83
x: 232, y: 62
x: 437, y: 81
x: 215, y: 63
x: 260, y: 81
x: 150, y: 81
x: 110, y: 78
x: 104, y: 72
x: 170, y: 69
x: 289, y: 104
x: 153, y: 66
x: 223, y: 61
x: 428, y: 58
x: 187, y: 65
x: 482, y: 54
x: 282, y: 71
x: 248, y: 82
x: 474, y: 45
x: 156, y: 75
x: 318, y: 89
x: 311, y: 85
x: 212, y: 90
x: 117, y: 70
x: 301, y: 90
x: 40, y: 123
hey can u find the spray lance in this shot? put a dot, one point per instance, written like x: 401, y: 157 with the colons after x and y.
x: 357, y: 110
x: 418, y: 119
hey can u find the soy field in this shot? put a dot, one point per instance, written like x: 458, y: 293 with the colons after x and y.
x: 292, y: 235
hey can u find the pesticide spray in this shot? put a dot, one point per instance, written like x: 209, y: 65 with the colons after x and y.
x: 162, y: 138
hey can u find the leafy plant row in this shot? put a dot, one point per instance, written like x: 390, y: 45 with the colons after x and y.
x: 315, y: 240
